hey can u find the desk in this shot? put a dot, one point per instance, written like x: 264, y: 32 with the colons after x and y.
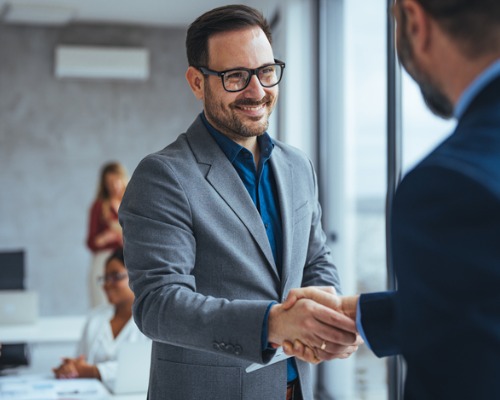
x: 45, y: 330
x: 49, y: 339
x: 26, y: 387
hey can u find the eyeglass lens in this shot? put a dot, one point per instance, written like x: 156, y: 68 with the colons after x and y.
x: 238, y: 79
x: 112, y: 278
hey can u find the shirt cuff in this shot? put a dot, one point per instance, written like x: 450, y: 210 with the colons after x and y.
x: 265, y: 325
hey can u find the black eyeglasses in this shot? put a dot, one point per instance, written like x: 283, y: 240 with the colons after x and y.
x: 236, y: 80
x: 112, y: 278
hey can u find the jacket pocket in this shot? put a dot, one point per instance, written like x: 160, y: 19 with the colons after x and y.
x: 178, y: 381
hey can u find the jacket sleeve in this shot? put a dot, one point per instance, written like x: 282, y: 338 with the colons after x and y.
x: 160, y: 254
x: 377, y: 320
x: 319, y: 269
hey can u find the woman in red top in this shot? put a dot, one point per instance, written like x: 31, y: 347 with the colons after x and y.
x: 105, y: 234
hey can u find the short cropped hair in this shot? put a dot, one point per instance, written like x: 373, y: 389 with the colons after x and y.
x: 220, y: 19
x: 473, y: 24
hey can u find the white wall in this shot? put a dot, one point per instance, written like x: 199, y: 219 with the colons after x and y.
x: 55, y: 135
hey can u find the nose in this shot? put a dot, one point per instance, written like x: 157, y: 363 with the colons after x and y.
x: 254, y: 88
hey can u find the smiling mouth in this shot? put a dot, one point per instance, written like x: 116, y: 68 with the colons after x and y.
x: 252, y: 108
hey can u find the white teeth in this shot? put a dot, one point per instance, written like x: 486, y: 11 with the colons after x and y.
x: 252, y: 108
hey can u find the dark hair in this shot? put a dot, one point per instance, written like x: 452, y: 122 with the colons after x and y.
x: 118, y: 255
x: 473, y: 23
x: 220, y: 19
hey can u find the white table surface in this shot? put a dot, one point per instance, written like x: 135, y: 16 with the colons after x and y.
x: 45, y: 330
x: 51, y: 331
x: 32, y: 386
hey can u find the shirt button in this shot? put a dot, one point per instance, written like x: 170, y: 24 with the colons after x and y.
x: 237, y: 350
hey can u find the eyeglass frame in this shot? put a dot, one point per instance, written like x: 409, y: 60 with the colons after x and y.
x: 251, y: 71
x: 112, y: 278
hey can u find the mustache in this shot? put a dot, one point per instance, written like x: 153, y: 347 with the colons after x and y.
x: 250, y: 102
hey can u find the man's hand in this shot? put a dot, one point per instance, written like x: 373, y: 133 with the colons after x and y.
x: 326, y: 332
x: 327, y: 297
x: 315, y: 356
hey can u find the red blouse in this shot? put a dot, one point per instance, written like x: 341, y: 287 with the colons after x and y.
x: 98, y: 224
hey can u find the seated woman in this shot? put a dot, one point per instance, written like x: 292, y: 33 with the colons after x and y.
x: 108, y: 328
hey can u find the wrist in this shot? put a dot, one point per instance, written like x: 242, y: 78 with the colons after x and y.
x: 273, y: 335
x: 349, y: 305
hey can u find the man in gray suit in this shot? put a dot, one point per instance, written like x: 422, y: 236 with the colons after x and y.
x: 221, y: 224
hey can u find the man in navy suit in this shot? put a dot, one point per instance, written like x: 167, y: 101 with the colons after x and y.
x: 445, y: 316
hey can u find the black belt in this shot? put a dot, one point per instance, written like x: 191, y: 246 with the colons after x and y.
x: 292, y: 389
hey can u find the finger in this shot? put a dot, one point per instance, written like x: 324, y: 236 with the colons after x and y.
x: 288, y: 348
x: 328, y: 289
x: 325, y: 295
x: 334, y: 318
x: 359, y: 340
x: 349, y: 352
x: 332, y: 351
x: 289, y: 301
x: 310, y: 356
x: 304, y: 353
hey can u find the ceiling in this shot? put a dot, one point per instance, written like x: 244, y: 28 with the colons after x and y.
x: 171, y: 13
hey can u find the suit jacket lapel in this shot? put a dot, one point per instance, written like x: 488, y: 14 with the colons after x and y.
x: 283, y: 175
x: 226, y: 181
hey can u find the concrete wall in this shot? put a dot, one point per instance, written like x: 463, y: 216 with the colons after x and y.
x: 56, y: 134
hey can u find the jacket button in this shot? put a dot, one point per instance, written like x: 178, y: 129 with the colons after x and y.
x: 216, y: 346
x: 230, y: 348
x: 237, y: 350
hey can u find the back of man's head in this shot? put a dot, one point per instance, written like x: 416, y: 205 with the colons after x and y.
x: 473, y: 24
x: 220, y: 19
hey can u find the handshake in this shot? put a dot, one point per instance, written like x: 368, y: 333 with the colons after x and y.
x: 314, y: 324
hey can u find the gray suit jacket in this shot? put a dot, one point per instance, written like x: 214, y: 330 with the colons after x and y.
x: 202, y: 269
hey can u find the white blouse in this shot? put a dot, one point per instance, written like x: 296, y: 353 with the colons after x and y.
x: 100, y: 347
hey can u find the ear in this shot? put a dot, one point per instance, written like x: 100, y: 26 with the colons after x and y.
x: 418, y: 25
x: 196, y: 81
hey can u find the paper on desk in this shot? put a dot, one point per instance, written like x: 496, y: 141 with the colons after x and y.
x: 278, y: 356
x: 36, y: 388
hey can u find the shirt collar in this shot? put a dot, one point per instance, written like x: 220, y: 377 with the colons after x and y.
x: 475, y: 87
x: 231, y: 149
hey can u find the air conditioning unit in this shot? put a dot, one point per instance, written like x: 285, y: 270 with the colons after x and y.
x: 101, y: 62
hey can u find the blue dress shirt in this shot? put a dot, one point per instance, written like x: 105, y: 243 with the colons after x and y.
x: 261, y: 186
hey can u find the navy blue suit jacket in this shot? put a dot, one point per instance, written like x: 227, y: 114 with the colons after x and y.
x: 445, y: 316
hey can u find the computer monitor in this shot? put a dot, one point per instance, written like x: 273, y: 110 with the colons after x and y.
x: 12, y: 270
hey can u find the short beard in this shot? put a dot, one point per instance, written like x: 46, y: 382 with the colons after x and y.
x: 228, y: 123
x: 434, y: 98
